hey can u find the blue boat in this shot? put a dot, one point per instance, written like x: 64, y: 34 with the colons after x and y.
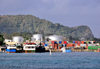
x: 11, y: 49
x: 66, y: 50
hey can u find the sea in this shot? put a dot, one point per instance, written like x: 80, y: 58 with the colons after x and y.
x: 73, y: 60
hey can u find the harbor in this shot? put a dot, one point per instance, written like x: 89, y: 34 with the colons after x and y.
x: 52, y: 43
x: 49, y: 34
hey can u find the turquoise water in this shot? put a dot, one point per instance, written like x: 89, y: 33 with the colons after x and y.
x: 74, y: 60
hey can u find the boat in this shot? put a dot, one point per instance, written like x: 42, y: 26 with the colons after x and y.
x: 2, y: 48
x: 11, y: 49
x: 66, y: 50
x: 19, y: 48
x: 29, y: 47
x: 40, y: 48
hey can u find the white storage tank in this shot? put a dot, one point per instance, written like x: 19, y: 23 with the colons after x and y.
x: 7, y: 40
x: 56, y: 38
x: 18, y: 39
x: 37, y: 37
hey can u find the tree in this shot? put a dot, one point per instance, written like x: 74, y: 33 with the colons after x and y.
x: 97, y: 40
x: 1, y: 39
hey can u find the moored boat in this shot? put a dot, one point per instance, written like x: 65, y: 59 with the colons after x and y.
x: 66, y: 50
x: 29, y: 47
x: 19, y: 48
x: 11, y: 49
x: 2, y: 49
x: 40, y: 48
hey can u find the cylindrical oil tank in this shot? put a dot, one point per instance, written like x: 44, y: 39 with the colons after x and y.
x: 37, y: 37
x: 18, y: 39
x: 7, y: 40
x: 56, y: 38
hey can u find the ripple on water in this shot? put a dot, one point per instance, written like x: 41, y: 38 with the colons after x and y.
x: 74, y: 60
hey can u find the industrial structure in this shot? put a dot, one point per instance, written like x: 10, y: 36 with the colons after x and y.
x: 51, y: 43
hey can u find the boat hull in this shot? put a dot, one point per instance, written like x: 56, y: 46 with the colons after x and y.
x: 29, y: 51
x: 11, y: 50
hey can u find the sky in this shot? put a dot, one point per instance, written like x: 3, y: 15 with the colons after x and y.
x: 66, y: 12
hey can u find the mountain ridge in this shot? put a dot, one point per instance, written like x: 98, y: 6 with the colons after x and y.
x: 32, y: 24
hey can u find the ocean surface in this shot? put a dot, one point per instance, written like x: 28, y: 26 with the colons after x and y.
x: 74, y: 60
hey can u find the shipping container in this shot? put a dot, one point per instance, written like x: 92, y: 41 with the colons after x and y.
x: 82, y: 42
x: 70, y: 45
x: 56, y: 46
x: 65, y: 42
x: 55, y: 42
x: 78, y: 42
x: 93, y: 47
x: 60, y: 42
x: 52, y: 42
x: 60, y: 47
x: 74, y: 42
x: 46, y: 45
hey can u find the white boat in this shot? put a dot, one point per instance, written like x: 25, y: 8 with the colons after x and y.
x: 11, y: 47
x: 29, y: 48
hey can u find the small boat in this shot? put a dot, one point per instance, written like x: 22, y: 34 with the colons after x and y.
x: 65, y: 50
x: 2, y: 48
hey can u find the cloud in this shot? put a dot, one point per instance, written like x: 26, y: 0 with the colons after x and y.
x: 66, y: 12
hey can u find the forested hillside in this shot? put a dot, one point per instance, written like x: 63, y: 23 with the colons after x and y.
x: 31, y: 24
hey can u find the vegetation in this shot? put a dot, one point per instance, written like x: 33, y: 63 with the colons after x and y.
x: 1, y: 39
x: 27, y: 36
x: 28, y: 24
x: 97, y: 40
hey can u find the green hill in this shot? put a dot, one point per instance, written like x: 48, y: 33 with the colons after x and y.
x: 31, y: 24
